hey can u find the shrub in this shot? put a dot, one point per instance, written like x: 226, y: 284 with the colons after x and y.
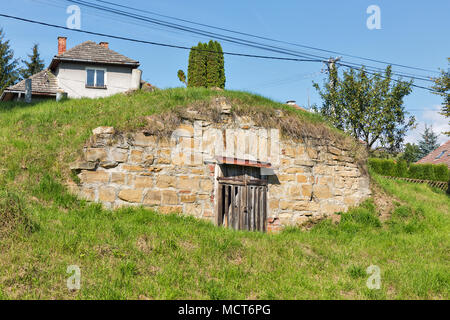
x: 441, y: 172
x: 414, y: 171
x: 388, y: 168
x: 401, y: 169
x: 427, y: 172
x: 375, y: 164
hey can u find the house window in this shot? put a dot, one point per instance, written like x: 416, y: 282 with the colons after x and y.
x: 95, y: 78
x: 441, y: 154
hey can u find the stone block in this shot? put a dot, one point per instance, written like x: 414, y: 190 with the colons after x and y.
x: 118, y: 177
x: 143, y: 182
x: 95, y: 154
x: 103, y: 130
x: 136, y: 156
x: 169, y: 197
x: 152, y: 197
x: 94, y: 177
x: 165, y: 181
x: 87, y: 194
x: 107, y: 194
x: 188, y: 198
x: 274, y: 204
x: 119, y: 155
x: 108, y: 164
x: 131, y: 195
x: 322, y: 192
x: 306, y: 190
x: 142, y: 140
x: 206, y: 185
x: 133, y: 168
x: 187, y: 183
x: 83, y: 165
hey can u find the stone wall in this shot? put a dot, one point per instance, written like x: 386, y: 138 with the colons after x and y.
x: 307, y: 179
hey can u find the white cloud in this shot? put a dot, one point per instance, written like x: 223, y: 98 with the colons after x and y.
x: 430, y: 117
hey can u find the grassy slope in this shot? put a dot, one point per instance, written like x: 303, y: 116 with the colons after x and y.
x: 132, y: 253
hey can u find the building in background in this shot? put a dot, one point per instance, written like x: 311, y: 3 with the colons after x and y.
x: 440, y: 155
x: 88, y: 70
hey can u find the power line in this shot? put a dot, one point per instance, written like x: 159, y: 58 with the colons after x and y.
x: 183, y: 47
x: 266, y: 38
x: 380, y: 75
x: 230, y: 39
x: 154, y: 43
x: 222, y: 37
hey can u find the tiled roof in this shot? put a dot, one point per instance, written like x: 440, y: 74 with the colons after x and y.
x: 438, y: 156
x: 90, y: 51
x: 41, y: 82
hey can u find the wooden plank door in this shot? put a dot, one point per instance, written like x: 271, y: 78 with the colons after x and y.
x: 242, y: 204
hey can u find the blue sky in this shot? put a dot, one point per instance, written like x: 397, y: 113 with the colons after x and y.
x: 414, y: 33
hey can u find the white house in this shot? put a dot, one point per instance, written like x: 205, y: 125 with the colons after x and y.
x: 87, y: 70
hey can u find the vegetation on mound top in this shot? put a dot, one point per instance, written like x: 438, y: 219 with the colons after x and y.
x: 42, y: 138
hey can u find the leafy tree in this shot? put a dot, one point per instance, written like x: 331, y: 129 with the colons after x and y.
x: 8, y: 65
x: 35, y: 65
x: 206, y: 66
x: 369, y: 107
x: 442, y: 87
x: 428, y: 142
x: 182, y: 76
x: 412, y: 153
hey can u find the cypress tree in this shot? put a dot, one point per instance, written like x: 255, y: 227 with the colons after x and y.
x: 191, y: 68
x: 202, y: 65
x: 35, y: 65
x: 8, y: 65
x: 206, y: 65
x: 221, y: 66
x: 212, y: 65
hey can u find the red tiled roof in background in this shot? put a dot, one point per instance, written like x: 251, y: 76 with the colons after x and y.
x: 438, y: 156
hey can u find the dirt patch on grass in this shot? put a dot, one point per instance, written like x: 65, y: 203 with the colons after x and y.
x: 384, y: 202
x: 13, y: 215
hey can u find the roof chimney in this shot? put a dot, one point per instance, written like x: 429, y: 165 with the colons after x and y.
x: 104, y: 44
x: 61, y: 45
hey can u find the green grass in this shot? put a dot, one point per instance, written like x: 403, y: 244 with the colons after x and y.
x: 136, y: 253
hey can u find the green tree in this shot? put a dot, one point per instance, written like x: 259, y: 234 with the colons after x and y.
x: 34, y: 65
x: 206, y: 66
x: 412, y: 153
x: 428, y: 142
x: 8, y: 65
x: 212, y: 65
x: 182, y: 76
x: 369, y: 107
x: 442, y: 87
x: 222, y: 78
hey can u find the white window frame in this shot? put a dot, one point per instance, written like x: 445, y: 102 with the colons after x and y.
x: 95, y: 77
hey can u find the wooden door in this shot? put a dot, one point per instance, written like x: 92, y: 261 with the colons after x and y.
x: 242, y: 197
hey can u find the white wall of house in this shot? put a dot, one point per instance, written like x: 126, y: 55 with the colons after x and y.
x: 72, y: 79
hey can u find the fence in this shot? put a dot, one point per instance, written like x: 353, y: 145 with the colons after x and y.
x: 444, y: 186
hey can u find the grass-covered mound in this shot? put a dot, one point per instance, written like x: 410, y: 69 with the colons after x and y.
x: 136, y: 253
